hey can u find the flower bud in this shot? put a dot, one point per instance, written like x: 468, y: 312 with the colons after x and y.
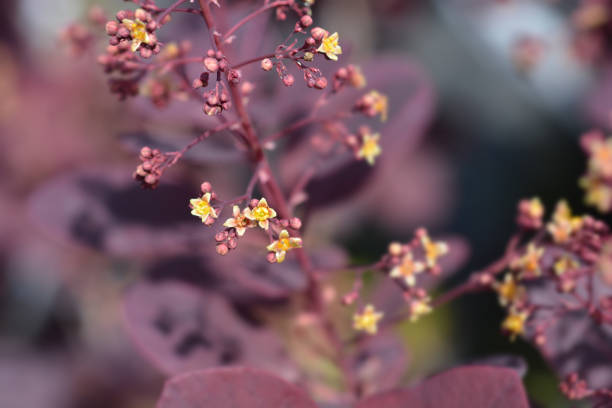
x: 211, y: 64
x: 318, y: 33
x: 288, y: 80
x: 321, y: 83
x: 112, y: 27
x: 222, y: 249
x: 306, y: 21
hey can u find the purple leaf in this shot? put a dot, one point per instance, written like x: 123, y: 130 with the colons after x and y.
x: 472, y: 386
x: 106, y: 210
x: 231, y: 388
x: 380, y: 363
x: 179, y: 328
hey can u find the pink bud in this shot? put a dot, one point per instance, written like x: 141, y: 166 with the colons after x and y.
x: 205, y: 187
x: 211, y: 64
x: 318, y: 33
x: 306, y: 21
x: 288, y: 80
x: 112, y: 27
x: 321, y: 83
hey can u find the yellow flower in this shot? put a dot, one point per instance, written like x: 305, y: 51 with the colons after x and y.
x: 419, y: 308
x: 380, y: 104
x: 563, y: 264
x: 563, y: 223
x: 329, y: 46
x: 367, y: 320
x: 370, y: 148
x: 357, y: 79
x: 600, y: 161
x: 283, y: 244
x: 508, y: 290
x: 514, y: 323
x: 535, y: 208
x: 529, y: 263
x: 262, y: 213
x: 239, y: 221
x: 200, y: 207
x: 407, y: 269
x: 433, y: 250
x: 138, y: 32
x: 598, y: 194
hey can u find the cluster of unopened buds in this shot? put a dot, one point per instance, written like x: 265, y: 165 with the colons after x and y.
x: 149, y: 171
x: 598, y: 178
x: 403, y: 263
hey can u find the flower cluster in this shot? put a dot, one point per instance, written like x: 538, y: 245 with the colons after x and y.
x: 598, y: 178
x: 134, y: 30
x: 565, y: 253
x: 404, y: 263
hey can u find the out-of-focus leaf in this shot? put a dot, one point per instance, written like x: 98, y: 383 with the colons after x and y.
x: 471, y: 386
x: 380, y: 362
x: 575, y: 343
x: 231, y: 388
x: 244, y: 275
x: 106, y: 210
x: 516, y: 363
x: 180, y: 328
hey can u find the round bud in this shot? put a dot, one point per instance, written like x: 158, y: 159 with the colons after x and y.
x: 321, y: 83
x: 271, y: 257
x: 211, y: 64
x: 112, y: 27
x: 266, y: 64
x: 295, y: 223
x: 123, y: 32
x: 150, y: 179
x: 232, y: 243
x: 121, y: 15
x: 146, y: 152
x: 318, y: 33
x: 140, y: 14
x: 306, y: 21
x: 152, y: 26
x: 288, y: 80
x: 222, y: 249
x: 220, y: 236
x: 145, y: 52
x: 205, y: 187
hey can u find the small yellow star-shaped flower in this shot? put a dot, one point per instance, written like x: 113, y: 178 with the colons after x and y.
x: 508, y: 290
x: 514, y: 323
x: 407, y: 269
x: 370, y: 148
x: 329, y: 46
x: 200, y: 207
x: 433, y: 250
x: 367, y: 320
x: 283, y: 244
x: 563, y: 264
x: 529, y: 263
x: 419, y: 308
x: 239, y: 221
x: 563, y: 223
x: 535, y: 208
x: 262, y: 213
x: 380, y: 104
x: 138, y: 32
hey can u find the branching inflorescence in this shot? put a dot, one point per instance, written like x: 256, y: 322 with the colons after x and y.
x: 549, y: 270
